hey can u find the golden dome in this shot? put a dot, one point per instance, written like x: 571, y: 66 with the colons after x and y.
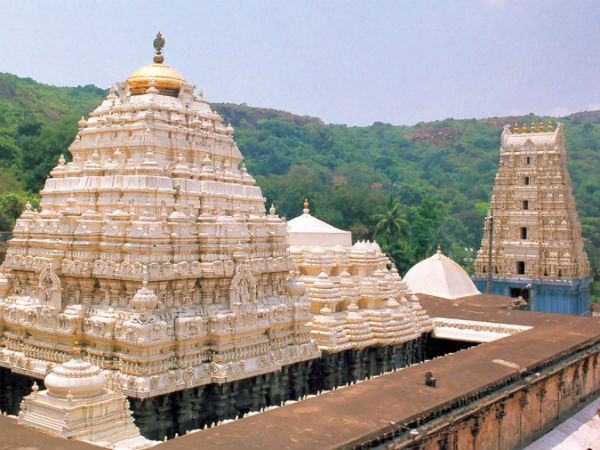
x: 168, y: 80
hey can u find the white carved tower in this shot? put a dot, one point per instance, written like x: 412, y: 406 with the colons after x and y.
x: 153, y: 250
x: 537, y: 248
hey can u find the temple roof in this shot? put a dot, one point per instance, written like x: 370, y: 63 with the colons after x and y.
x: 440, y: 276
x: 167, y: 80
x: 308, y: 230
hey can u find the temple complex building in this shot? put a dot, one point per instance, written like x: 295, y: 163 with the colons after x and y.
x: 152, y: 249
x: 361, y: 308
x: 536, y: 247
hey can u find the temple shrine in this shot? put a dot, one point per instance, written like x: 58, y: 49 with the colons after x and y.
x: 152, y: 249
x: 532, y: 232
x: 364, y: 318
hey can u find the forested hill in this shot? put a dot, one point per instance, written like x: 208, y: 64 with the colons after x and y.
x: 423, y: 184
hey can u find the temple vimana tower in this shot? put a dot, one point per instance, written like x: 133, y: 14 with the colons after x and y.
x: 153, y: 251
x: 537, y: 249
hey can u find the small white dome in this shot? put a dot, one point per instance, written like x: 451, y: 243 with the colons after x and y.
x: 80, y: 378
x: 306, y: 230
x: 441, y: 277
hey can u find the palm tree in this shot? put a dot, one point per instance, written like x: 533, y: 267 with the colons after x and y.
x: 391, y: 224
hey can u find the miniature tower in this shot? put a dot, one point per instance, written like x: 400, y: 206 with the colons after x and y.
x: 537, y: 249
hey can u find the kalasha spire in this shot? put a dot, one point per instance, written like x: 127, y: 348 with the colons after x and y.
x: 159, y: 44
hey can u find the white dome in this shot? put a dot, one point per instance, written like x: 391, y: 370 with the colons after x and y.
x: 440, y: 276
x: 306, y: 230
x: 76, y: 376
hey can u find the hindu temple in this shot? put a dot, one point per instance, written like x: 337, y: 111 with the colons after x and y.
x: 364, y: 318
x: 532, y: 245
x: 152, y: 249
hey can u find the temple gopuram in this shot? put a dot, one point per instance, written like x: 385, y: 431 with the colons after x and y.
x: 537, y: 251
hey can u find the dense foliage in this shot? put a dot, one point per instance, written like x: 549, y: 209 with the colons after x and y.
x: 410, y: 187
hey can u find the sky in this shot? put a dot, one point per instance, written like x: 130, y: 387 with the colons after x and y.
x: 346, y: 62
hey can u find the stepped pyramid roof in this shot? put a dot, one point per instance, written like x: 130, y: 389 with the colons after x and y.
x: 153, y: 250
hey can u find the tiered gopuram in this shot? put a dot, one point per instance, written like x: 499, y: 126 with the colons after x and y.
x: 537, y: 249
x: 152, y: 249
x: 362, y: 310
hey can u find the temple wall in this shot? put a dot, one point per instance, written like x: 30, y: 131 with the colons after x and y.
x: 513, y: 416
x: 189, y: 409
x: 565, y: 297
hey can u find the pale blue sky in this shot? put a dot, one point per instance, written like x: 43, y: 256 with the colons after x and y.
x: 343, y: 61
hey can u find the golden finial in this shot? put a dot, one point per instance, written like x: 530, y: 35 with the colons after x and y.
x: 159, y: 43
x: 516, y: 129
x: 541, y: 126
x: 550, y: 128
x: 439, y: 248
x: 524, y: 129
x: 532, y: 129
x: 305, y: 210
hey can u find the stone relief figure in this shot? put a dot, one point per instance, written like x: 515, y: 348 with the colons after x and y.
x: 49, y: 290
x: 217, y: 294
x: 243, y: 285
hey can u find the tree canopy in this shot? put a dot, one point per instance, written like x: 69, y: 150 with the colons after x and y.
x: 409, y: 187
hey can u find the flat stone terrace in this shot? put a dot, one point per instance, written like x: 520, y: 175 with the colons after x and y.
x: 355, y: 415
x: 15, y: 436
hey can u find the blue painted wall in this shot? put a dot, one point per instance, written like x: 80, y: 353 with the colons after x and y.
x: 557, y: 296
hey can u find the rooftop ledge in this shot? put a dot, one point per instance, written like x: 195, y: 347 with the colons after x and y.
x: 473, y: 331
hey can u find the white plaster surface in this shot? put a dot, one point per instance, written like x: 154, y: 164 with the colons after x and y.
x: 440, y: 276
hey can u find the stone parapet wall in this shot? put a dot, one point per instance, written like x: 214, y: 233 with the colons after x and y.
x: 508, y: 417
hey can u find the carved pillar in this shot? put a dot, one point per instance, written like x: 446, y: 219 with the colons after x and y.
x: 143, y: 413
x: 379, y: 359
x: 354, y: 365
x: 221, y: 405
x: 296, y: 381
x: 164, y: 416
x: 475, y: 428
x: 285, y: 391
x: 198, y: 407
x: 184, y: 411
x: 328, y: 367
x: 115, y: 292
x: 500, y: 414
x: 256, y: 394
x: 523, y: 402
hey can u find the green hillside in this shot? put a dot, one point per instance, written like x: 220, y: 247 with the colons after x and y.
x: 411, y: 187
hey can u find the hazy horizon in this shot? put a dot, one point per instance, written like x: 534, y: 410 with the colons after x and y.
x: 344, y: 62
